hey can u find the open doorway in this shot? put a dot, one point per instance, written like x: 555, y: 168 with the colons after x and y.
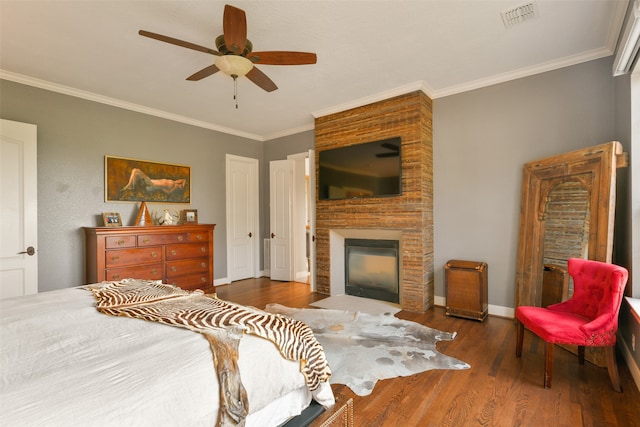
x: 292, y: 251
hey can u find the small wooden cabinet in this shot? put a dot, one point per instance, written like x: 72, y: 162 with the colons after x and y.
x: 467, y: 289
x: 181, y: 255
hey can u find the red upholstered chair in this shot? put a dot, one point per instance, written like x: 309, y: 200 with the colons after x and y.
x: 589, y: 318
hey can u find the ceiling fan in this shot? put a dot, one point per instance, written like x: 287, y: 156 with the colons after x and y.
x: 234, y: 52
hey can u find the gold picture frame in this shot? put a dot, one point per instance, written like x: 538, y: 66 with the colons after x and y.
x: 112, y: 219
x: 189, y: 216
x: 132, y: 180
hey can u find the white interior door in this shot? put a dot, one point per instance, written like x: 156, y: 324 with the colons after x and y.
x: 311, y: 200
x: 242, y: 217
x: 18, y: 209
x: 280, y: 223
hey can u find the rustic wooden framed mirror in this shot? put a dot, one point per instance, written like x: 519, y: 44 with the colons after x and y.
x: 567, y: 210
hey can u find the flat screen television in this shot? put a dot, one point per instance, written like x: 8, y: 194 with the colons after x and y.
x: 372, y: 169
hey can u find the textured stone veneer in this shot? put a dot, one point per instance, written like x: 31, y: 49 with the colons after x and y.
x: 410, y: 215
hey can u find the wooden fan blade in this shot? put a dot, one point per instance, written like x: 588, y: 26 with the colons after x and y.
x: 205, y: 72
x: 277, y: 57
x: 234, y: 28
x: 177, y: 42
x: 261, y: 79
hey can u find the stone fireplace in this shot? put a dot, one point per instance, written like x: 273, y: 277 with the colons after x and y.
x: 407, y: 218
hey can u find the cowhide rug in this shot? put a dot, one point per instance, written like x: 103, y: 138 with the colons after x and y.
x: 364, y: 348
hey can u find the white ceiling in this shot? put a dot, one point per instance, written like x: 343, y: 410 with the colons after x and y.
x: 367, y: 50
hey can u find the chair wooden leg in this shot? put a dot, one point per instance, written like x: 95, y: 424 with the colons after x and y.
x: 519, y: 339
x: 612, y: 367
x: 548, y: 364
x: 581, y: 354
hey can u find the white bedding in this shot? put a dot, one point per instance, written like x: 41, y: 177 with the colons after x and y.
x: 65, y: 364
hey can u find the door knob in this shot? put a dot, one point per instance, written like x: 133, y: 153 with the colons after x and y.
x: 30, y: 251
x: 273, y: 235
x: 250, y: 234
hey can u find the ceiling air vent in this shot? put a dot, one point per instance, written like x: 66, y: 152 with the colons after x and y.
x: 519, y: 14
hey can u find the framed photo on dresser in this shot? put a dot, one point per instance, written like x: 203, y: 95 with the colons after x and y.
x: 112, y: 219
x: 189, y: 216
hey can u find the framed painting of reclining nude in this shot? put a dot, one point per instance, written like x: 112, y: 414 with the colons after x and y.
x: 131, y: 180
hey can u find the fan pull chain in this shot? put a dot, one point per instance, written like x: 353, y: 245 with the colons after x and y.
x: 235, y: 89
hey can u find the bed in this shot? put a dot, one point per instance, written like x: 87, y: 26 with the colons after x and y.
x: 63, y: 363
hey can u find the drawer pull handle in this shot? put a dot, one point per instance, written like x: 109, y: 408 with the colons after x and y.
x: 173, y: 269
x: 199, y: 237
x: 154, y: 271
x: 203, y: 264
x: 145, y: 240
x: 121, y: 242
x: 116, y: 276
x: 173, y: 252
x: 203, y: 249
x: 180, y: 238
x: 115, y: 258
x: 154, y: 255
x: 203, y: 279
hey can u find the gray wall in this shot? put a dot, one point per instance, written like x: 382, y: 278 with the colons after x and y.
x: 74, y: 135
x: 482, y: 139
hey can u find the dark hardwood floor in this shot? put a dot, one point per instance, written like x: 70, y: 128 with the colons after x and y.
x: 498, y: 390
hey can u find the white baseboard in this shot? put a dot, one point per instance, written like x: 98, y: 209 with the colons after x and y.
x: 494, y: 310
x: 220, y: 282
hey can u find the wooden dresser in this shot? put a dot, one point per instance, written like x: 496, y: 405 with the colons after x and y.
x: 181, y: 255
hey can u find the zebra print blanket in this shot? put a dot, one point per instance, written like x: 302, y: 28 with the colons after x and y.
x: 223, y: 324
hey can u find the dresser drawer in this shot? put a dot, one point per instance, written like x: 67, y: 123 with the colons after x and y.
x: 189, y: 250
x: 198, y: 237
x: 162, y: 239
x: 114, y: 242
x: 149, y: 272
x: 187, y: 266
x: 192, y: 282
x: 119, y: 258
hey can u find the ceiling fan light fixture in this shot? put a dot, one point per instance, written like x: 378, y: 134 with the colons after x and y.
x: 234, y: 65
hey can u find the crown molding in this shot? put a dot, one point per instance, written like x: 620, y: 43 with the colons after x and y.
x: 402, y: 90
x: 524, y: 72
x: 90, y: 96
